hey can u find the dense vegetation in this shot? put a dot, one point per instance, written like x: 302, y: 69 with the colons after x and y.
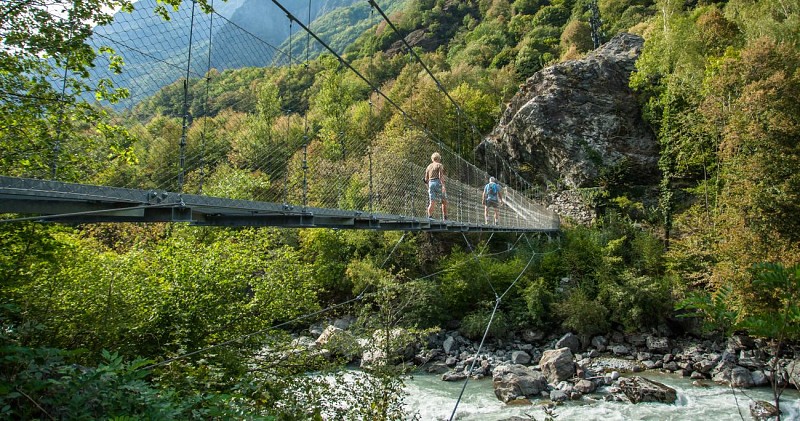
x: 92, y: 315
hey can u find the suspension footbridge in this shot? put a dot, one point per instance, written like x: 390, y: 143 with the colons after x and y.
x: 247, y: 155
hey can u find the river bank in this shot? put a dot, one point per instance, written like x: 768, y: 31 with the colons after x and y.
x: 594, y: 377
x: 432, y: 399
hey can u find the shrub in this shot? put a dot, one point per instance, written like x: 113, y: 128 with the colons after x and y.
x: 475, y: 324
x: 539, y: 299
x: 581, y: 314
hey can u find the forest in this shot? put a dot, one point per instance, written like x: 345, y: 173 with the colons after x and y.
x: 171, y: 321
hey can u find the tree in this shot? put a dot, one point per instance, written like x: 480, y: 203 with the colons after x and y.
x: 43, y: 66
x: 771, y: 311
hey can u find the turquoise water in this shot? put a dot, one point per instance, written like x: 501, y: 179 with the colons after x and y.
x: 433, y: 399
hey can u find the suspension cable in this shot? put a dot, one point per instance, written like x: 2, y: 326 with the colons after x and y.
x: 488, y: 326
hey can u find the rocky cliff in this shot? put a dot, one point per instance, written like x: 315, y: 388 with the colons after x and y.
x: 578, y: 120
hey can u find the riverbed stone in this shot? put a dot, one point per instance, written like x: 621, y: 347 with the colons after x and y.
x: 604, y: 364
x: 704, y: 366
x: 762, y: 410
x: 722, y: 372
x: 658, y: 345
x: 620, y: 350
x: 585, y: 386
x: 759, y: 378
x: 515, y: 380
x: 569, y: 341
x: 640, y: 389
x: 557, y: 365
x: 338, y: 342
x: 739, y: 342
x: 437, y: 367
x: 454, y: 376
x: 449, y: 344
x: 636, y: 339
x: 558, y: 395
x: 793, y: 371
x: 600, y: 343
x: 520, y: 357
x: 532, y: 336
x: 741, y: 377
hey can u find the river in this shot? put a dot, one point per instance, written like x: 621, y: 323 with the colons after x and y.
x: 433, y: 399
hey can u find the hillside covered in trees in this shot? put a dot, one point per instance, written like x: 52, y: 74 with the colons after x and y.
x: 168, y: 321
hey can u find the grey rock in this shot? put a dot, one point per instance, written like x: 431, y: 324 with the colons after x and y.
x: 520, y: 357
x: 437, y: 368
x: 658, y: 345
x: 532, y: 336
x: 585, y: 386
x: 739, y: 342
x: 338, y: 342
x: 558, y: 395
x: 639, y: 389
x: 759, y: 378
x: 600, y: 343
x: 575, y: 119
x: 449, y: 344
x: 454, y: 376
x: 793, y: 371
x: 557, y: 364
x: 513, y: 381
x: 636, y: 339
x: 762, y: 410
x: 620, y: 350
x: 569, y: 341
x: 671, y: 366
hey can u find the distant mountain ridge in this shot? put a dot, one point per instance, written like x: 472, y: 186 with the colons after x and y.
x: 241, y: 33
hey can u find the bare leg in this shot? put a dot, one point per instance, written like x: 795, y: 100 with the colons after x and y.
x: 444, y: 209
x: 430, y: 208
x: 485, y: 214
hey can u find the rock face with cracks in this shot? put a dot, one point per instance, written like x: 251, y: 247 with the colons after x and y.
x: 578, y: 121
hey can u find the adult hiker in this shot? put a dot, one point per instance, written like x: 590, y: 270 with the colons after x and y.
x: 492, y: 198
x: 434, y: 178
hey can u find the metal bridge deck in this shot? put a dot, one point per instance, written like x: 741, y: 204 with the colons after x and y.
x: 79, y: 203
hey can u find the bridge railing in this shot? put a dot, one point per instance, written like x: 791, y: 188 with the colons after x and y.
x: 246, y: 137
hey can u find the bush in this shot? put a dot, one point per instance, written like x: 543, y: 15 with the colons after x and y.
x: 539, y: 298
x: 474, y: 325
x: 636, y: 302
x: 582, y: 314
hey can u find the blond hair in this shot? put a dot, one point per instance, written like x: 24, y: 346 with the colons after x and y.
x: 436, y: 157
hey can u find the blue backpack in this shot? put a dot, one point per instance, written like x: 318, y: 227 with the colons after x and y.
x: 491, y: 191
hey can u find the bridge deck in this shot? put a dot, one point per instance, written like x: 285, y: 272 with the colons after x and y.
x: 79, y: 203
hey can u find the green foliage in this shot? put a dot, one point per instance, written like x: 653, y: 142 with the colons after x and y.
x: 581, y: 314
x: 41, y: 382
x: 636, y: 302
x: 476, y: 324
x: 769, y: 310
x: 540, y: 297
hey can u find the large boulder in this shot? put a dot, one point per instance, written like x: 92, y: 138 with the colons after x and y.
x: 338, y: 342
x: 557, y: 365
x: 574, y: 120
x: 516, y: 381
x: 639, y: 389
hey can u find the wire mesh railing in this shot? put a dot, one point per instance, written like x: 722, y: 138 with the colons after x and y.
x: 187, y: 122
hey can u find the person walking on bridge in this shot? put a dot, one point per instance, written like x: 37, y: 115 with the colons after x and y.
x: 492, y: 198
x: 434, y: 178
